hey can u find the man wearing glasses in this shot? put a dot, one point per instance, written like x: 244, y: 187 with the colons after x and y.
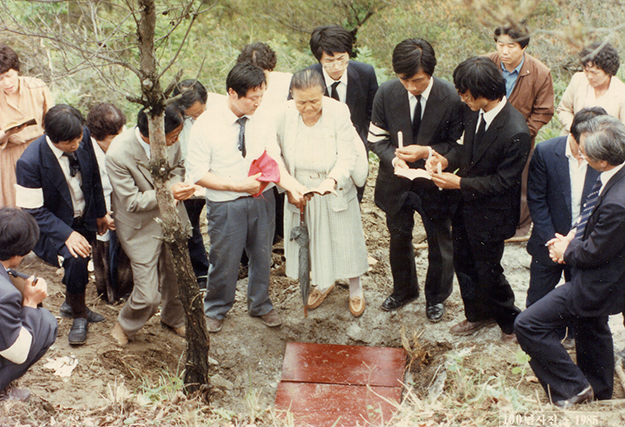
x: 351, y: 82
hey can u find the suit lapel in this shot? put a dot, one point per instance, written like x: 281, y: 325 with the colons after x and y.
x: 53, y: 172
x: 469, y: 136
x: 403, y: 114
x: 354, y: 90
x: 563, y: 173
x: 434, y: 109
x: 142, y: 160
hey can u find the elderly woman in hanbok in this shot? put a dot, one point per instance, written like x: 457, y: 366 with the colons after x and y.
x: 317, y: 140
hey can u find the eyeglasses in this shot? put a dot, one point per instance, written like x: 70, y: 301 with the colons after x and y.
x: 340, y: 62
x: 466, y: 96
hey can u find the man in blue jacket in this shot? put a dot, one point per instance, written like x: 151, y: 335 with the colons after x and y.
x: 58, y: 183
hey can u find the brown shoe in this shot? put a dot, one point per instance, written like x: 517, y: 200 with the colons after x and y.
x: 15, y: 394
x: 119, y: 335
x: 468, y: 328
x: 180, y: 330
x: 357, y: 306
x: 214, y: 325
x: 315, y: 298
x: 271, y: 319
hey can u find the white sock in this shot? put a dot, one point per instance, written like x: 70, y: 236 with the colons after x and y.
x: 355, y: 289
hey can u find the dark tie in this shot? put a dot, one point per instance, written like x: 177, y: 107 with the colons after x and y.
x: 591, y: 201
x: 74, y: 167
x: 479, y: 136
x: 416, y: 118
x: 335, y: 94
x: 241, y: 145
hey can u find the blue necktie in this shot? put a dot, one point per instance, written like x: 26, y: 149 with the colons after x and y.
x: 241, y: 123
x: 591, y: 201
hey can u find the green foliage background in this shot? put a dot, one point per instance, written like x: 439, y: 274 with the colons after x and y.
x: 457, y: 29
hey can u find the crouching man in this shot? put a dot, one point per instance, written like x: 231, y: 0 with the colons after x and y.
x: 26, y: 332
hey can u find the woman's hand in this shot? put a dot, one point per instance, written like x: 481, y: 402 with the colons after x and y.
x: 327, y: 186
x: 297, y: 195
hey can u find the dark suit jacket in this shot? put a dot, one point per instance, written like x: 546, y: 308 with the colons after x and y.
x: 549, y: 194
x: 39, y: 168
x: 441, y: 126
x: 362, y: 85
x: 491, y: 173
x: 598, y: 258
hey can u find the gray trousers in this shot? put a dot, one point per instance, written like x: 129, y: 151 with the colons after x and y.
x: 233, y: 226
x: 45, y: 327
x: 155, y: 283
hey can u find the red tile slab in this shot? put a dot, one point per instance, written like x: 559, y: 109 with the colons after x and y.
x: 343, y: 364
x: 322, y: 405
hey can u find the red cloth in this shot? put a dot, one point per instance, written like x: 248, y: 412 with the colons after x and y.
x: 269, y: 169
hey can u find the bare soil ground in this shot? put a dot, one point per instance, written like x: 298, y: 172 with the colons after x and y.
x: 114, y: 387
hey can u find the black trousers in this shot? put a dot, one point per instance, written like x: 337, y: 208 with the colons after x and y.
x: 435, y: 213
x: 536, y: 329
x: 197, y: 250
x: 485, y: 291
x: 76, y: 275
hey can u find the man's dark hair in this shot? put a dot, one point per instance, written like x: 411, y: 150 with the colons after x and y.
x: 481, y: 78
x: 174, y: 117
x: 105, y: 119
x: 243, y: 77
x: 192, y: 91
x: 605, y: 139
x: 583, y: 116
x: 259, y: 54
x: 413, y: 55
x: 605, y: 58
x: 63, y: 123
x: 331, y: 39
x: 518, y: 33
x: 18, y: 233
x: 8, y: 59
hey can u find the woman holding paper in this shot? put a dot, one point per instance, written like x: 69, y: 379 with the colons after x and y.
x: 23, y: 103
x: 318, y: 143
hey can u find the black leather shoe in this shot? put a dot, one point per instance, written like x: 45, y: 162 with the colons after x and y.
x: 92, y: 316
x: 78, y: 334
x: 435, y: 312
x: 393, y: 303
x: 585, y: 396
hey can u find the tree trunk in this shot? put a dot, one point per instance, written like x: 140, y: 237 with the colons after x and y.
x: 175, y: 233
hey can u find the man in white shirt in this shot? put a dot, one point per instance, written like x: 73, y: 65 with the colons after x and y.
x: 224, y: 141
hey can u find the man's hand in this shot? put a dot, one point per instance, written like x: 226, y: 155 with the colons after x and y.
x: 34, y: 293
x: 105, y: 223
x: 412, y: 153
x: 399, y: 164
x: 431, y: 165
x: 249, y: 185
x: 182, y: 191
x: 78, y: 245
x: 446, y: 180
x: 557, y: 246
